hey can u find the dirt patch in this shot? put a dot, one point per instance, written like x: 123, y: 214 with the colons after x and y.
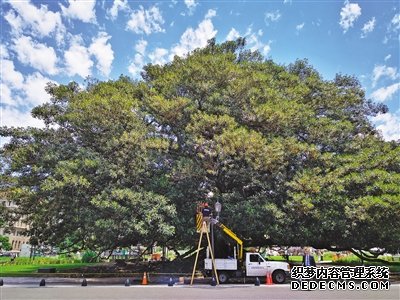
x: 120, y: 266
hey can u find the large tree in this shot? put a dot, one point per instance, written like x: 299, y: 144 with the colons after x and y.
x: 292, y: 157
x: 82, y: 182
x: 270, y: 141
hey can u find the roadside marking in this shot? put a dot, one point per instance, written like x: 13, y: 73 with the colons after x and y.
x: 202, y: 286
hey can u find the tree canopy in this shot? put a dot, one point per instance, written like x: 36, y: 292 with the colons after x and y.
x: 293, y: 158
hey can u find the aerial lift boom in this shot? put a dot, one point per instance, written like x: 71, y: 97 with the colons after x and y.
x: 232, y: 235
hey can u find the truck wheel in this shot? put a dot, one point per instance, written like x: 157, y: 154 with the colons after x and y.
x: 223, y: 277
x: 279, y: 276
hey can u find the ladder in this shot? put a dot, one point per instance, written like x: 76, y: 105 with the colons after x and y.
x: 204, y: 229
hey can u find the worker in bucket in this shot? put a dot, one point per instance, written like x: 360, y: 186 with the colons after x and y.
x: 206, y: 211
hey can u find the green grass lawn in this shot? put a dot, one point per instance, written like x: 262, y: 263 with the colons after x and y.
x: 24, y: 266
x: 21, y: 270
x: 4, y: 259
x: 292, y: 258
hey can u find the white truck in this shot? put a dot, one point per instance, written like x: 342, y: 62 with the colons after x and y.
x: 254, y: 264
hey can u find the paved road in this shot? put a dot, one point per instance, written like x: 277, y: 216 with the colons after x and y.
x: 185, y: 292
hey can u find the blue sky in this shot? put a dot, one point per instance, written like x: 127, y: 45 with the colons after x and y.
x: 61, y: 41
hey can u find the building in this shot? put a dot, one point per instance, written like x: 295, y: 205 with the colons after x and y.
x: 16, y: 232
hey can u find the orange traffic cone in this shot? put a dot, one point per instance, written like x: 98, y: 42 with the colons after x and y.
x: 269, y: 279
x: 144, y: 280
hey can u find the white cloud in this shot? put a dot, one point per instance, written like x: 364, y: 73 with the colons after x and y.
x: 299, y: 27
x: 392, y: 29
x: 4, y: 52
x: 191, y: 5
x: 77, y: 59
x: 158, y: 56
x: 266, y: 49
x: 396, y: 22
x: 368, y: 27
x: 146, y: 21
x: 81, y: 10
x: 383, y: 71
x: 211, y: 13
x: 387, y: 57
x: 10, y: 75
x: 385, y: 93
x: 40, y: 21
x: 194, y: 38
x: 349, y: 14
x: 140, y: 46
x: 136, y: 65
x: 389, y: 125
x: 34, y: 89
x: 5, y: 93
x: 15, y: 21
x: 232, y: 35
x: 103, y: 52
x: 19, y: 94
x: 35, y: 54
x: 118, y: 5
x: 272, y: 16
x: 14, y: 117
x: 254, y: 43
x: 19, y: 91
x: 18, y: 99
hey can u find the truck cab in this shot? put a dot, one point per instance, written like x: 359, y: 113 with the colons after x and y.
x: 257, y: 266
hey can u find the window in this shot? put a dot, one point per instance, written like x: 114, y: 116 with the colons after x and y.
x: 254, y: 257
